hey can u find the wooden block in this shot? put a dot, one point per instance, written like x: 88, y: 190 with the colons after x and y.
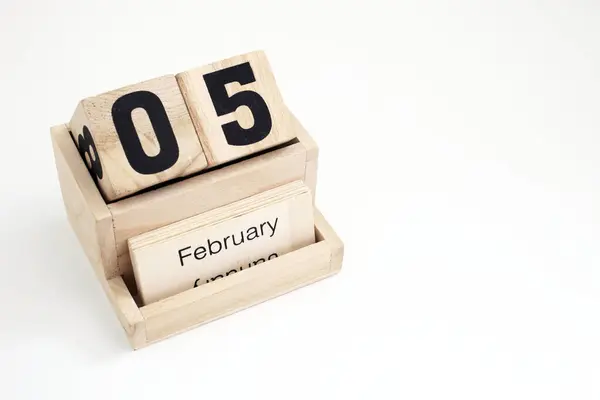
x: 136, y: 137
x: 236, y: 107
x: 222, y: 242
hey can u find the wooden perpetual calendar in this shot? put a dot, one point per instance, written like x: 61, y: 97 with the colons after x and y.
x: 192, y: 196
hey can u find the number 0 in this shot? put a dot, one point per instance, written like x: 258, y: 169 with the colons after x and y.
x: 136, y: 156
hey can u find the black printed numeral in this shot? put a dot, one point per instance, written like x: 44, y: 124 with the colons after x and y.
x: 225, y: 104
x: 132, y: 146
x: 86, y: 145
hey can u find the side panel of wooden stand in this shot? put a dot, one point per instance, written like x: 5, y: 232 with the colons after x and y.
x: 92, y: 222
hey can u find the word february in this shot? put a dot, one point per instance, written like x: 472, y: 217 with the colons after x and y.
x: 265, y: 229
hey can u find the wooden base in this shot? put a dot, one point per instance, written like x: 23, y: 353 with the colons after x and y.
x: 178, y: 313
x: 104, y: 228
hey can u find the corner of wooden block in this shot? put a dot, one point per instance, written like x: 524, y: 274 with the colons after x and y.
x: 336, y: 246
x: 311, y: 155
x: 311, y: 147
x: 137, y: 340
x: 337, y: 257
x: 310, y: 176
x: 326, y: 233
x: 127, y: 311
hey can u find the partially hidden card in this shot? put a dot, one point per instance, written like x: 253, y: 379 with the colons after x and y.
x: 221, y: 242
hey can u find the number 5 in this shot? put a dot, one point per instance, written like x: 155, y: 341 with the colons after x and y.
x: 225, y: 104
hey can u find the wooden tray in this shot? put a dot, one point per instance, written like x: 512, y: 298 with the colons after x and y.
x: 103, y: 230
x: 178, y: 313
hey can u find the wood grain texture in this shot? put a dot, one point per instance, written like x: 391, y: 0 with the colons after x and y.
x: 324, y: 232
x: 127, y: 311
x: 92, y: 222
x: 236, y: 292
x: 274, y: 222
x: 119, y: 178
x: 209, y: 125
x: 198, y: 194
x: 194, y: 307
x: 86, y: 210
x: 312, y: 155
x: 311, y: 147
x: 239, y: 291
x: 97, y: 225
x: 310, y: 176
x: 108, y: 251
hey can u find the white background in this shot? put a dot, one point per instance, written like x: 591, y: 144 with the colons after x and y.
x: 459, y: 163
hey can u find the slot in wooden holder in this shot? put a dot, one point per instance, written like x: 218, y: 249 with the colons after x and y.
x: 103, y: 230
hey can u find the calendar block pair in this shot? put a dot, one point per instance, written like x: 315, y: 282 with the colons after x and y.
x: 177, y: 125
